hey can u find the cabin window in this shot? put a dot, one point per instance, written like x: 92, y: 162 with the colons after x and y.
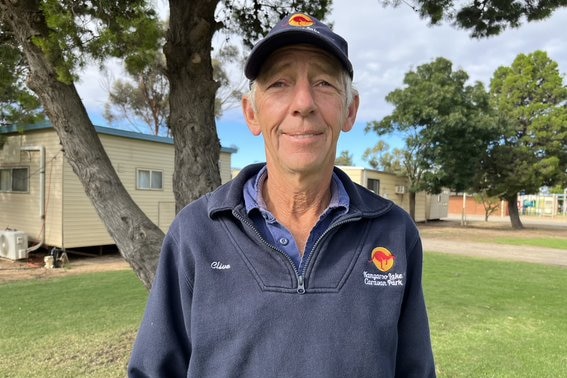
x: 373, y: 185
x: 149, y: 179
x: 14, y: 180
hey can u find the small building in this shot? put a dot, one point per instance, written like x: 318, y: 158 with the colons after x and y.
x: 395, y: 188
x: 41, y: 196
x: 469, y: 205
x: 541, y: 204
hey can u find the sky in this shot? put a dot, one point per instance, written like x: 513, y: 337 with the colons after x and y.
x: 384, y: 44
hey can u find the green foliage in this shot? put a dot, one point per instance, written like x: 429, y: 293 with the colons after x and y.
x: 484, y: 18
x: 82, y: 30
x: 380, y: 158
x: 531, y: 151
x: 489, y: 203
x: 70, y: 33
x: 17, y: 104
x: 557, y: 189
x: 344, y: 158
x: 251, y: 19
x: 447, y: 125
x: 142, y: 99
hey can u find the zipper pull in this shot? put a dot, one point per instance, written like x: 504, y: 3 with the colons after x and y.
x: 300, y: 285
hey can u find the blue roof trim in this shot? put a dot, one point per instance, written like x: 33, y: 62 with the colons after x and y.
x: 10, y: 129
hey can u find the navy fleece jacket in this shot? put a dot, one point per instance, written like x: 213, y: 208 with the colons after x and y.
x: 225, y: 303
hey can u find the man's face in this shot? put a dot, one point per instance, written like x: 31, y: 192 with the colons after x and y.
x: 300, y: 109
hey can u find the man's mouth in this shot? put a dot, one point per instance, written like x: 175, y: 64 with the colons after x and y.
x: 304, y: 136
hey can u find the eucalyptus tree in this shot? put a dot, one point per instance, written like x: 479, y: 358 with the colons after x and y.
x: 446, y: 125
x: 344, y: 158
x: 530, y: 99
x: 141, y: 97
x: 399, y: 161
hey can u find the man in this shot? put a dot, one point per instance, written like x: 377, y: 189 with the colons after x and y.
x: 290, y: 270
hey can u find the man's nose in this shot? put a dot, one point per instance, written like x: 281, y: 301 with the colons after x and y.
x: 303, y: 99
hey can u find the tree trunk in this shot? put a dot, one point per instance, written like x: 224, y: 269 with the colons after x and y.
x: 137, y: 237
x: 412, y: 205
x: 514, y: 213
x: 192, y: 99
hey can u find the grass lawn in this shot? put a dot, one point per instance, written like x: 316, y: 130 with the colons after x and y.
x: 534, y: 242
x: 488, y: 319
x: 496, y: 319
x: 77, y: 326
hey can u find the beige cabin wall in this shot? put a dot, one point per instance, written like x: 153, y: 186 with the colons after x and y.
x: 21, y: 211
x: 225, y: 168
x: 82, y: 225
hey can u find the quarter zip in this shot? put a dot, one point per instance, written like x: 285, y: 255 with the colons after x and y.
x: 323, y: 235
x: 300, y: 276
x: 300, y: 279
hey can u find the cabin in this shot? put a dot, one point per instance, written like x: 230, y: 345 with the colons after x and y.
x: 43, y: 200
x: 395, y: 188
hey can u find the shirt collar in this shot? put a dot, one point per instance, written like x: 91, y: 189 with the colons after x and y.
x: 253, y: 193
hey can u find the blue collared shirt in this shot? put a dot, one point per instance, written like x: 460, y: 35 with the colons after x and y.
x: 279, y: 236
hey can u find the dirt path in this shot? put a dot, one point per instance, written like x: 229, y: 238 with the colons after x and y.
x: 33, y: 268
x: 548, y: 256
x: 477, y: 239
x: 446, y: 236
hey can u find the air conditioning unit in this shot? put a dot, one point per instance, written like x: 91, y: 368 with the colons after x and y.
x: 400, y: 189
x: 13, y: 245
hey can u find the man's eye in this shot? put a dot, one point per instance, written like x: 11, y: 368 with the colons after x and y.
x: 277, y: 84
x: 324, y: 83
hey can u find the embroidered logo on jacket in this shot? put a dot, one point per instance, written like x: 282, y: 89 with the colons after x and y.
x: 383, y: 260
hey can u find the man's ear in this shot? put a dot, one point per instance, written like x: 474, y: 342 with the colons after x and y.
x: 351, y: 115
x: 250, y: 116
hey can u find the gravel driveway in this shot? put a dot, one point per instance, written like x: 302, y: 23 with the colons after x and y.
x: 548, y: 256
x: 449, y: 236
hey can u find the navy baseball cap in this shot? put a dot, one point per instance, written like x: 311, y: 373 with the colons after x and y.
x: 294, y: 29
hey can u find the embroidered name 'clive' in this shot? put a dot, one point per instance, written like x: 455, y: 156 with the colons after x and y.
x: 219, y: 265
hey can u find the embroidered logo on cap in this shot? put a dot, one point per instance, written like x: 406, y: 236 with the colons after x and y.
x: 382, y: 259
x: 301, y: 19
